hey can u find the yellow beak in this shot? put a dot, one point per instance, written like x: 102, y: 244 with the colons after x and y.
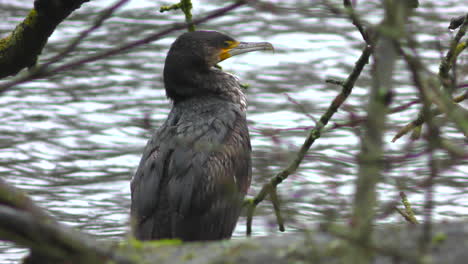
x: 237, y: 48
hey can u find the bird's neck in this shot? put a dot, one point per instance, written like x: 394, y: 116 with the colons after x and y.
x: 228, y: 88
x: 212, y: 83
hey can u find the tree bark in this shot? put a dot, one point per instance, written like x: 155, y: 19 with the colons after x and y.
x: 23, y: 46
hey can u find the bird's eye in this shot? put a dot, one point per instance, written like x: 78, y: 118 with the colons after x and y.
x: 227, y: 44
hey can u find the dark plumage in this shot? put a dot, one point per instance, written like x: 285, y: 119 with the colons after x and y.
x: 196, y: 169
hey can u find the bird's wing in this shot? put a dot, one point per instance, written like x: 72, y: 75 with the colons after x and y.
x: 208, y: 158
x: 146, y: 181
x: 210, y: 172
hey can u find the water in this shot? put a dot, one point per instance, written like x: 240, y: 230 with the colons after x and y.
x: 73, y: 141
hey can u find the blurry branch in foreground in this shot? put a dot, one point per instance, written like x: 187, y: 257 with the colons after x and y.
x: 442, y: 97
x: 25, y: 224
x: 371, y: 154
x: 429, y: 91
x: 270, y: 187
x: 415, y: 125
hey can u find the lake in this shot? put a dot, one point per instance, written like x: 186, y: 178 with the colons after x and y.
x: 73, y: 141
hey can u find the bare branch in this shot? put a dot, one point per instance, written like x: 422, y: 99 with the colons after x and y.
x: 41, y: 72
x: 313, y: 135
x: 356, y: 21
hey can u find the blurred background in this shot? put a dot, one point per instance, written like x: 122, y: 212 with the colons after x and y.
x: 73, y: 141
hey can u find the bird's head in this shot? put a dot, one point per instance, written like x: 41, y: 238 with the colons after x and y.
x: 189, y: 62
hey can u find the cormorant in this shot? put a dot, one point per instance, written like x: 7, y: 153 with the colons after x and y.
x: 196, y: 169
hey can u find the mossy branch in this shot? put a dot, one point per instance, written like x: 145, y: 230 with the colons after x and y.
x: 408, y: 213
x: 22, y: 47
x: 170, y: 7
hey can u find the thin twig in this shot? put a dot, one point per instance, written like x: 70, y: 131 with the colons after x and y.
x: 353, y: 16
x: 335, y: 82
x: 356, y: 21
x: 313, y: 134
x: 106, y: 14
x: 303, y: 110
x: 276, y: 208
x: 408, y: 214
x: 416, y: 124
x: 186, y: 7
x: 441, y: 99
x: 250, y: 212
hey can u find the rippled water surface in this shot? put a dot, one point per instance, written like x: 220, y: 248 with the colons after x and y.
x: 74, y: 140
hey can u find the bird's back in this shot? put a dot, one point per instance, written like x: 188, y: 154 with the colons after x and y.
x: 194, y: 173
